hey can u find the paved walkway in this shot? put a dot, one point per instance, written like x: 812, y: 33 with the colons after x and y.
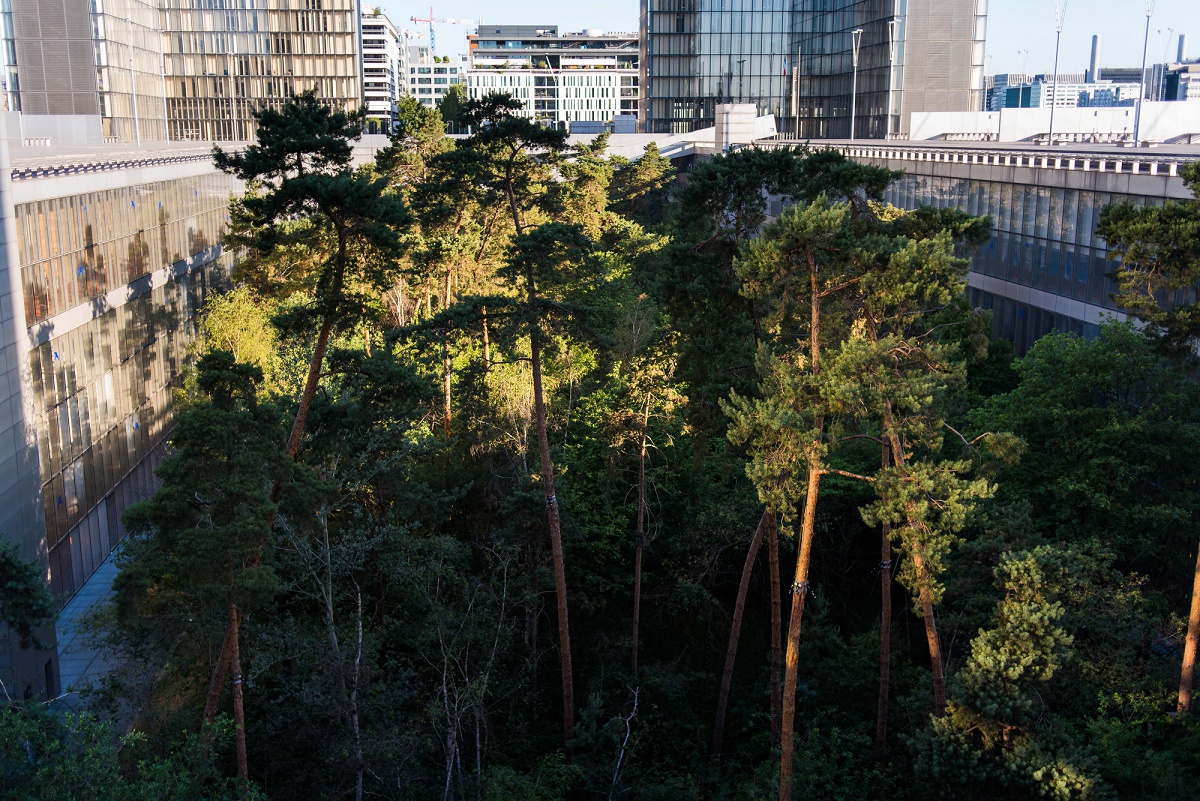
x: 80, y: 661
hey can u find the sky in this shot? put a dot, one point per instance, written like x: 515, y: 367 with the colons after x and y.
x: 1013, y: 25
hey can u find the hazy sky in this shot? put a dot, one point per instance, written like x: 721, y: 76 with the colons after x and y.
x: 1013, y: 25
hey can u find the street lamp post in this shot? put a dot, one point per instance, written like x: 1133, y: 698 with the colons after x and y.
x: 856, y: 40
x: 1137, y: 115
x: 893, y: 30
x: 1060, y: 14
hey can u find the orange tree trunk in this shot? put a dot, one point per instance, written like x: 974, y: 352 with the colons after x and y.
x: 885, y: 634
x: 1189, y: 645
x: 552, y: 517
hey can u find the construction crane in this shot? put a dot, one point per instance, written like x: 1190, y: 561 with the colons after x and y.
x: 442, y: 20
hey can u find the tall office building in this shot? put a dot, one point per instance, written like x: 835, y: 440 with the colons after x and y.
x: 795, y: 59
x: 224, y: 61
x: 591, y: 76
x: 154, y: 70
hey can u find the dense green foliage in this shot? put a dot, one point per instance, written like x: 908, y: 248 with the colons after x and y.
x: 393, y: 576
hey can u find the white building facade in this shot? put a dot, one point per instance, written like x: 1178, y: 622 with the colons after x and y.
x: 385, y: 72
x: 559, y: 78
x: 430, y: 76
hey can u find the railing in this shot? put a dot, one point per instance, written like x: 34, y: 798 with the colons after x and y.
x: 102, y: 165
x: 1059, y: 159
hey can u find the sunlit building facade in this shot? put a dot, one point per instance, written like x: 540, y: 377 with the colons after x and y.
x: 103, y: 269
x: 224, y: 61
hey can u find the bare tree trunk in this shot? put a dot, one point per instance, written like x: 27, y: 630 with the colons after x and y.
x: 640, y: 541
x: 803, y: 558
x: 446, y: 367
x: 924, y: 588
x: 776, y: 631
x: 487, y: 350
x: 239, y: 711
x: 885, y: 634
x: 402, y: 312
x: 735, y: 632
x: 447, y: 364
x: 217, y: 682
x: 792, y: 662
x: 925, y: 598
x: 556, y: 547
x: 354, y: 681
x: 1189, y: 646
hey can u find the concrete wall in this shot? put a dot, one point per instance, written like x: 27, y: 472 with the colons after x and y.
x: 52, y: 130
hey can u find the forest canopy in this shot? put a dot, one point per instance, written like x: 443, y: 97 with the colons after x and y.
x: 509, y: 469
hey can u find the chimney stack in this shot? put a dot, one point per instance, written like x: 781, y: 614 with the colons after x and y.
x: 1181, y: 56
x: 1094, y: 71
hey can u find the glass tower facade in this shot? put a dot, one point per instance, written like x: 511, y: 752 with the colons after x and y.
x: 225, y: 59
x: 701, y: 53
x: 795, y: 59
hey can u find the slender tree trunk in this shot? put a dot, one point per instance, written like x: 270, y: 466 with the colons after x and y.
x: 447, y: 364
x: 217, y: 681
x: 560, y: 571
x: 239, y: 711
x: 735, y: 632
x: 639, y: 542
x: 803, y: 558
x: 792, y: 661
x: 925, y: 598
x: 885, y: 634
x: 446, y: 368
x: 776, y: 631
x: 487, y: 350
x: 354, y: 722
x: 924, y: 588
x: 1184, y: 704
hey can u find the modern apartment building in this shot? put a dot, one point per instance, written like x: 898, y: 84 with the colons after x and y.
x: 385, y: 71
x: 795, y: 59
x: 430, y: 76
x: 591, y: 76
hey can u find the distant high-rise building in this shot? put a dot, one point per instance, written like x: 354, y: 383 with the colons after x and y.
x: 560, y: 79
x: 795, y: 59
x: 385, y: 71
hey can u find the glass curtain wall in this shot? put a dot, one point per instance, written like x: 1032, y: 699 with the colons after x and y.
x: 824, y: 44
x: 702, y: 53
x: 102, y: 388
x: 1044, y: 238
x: 226, y: 59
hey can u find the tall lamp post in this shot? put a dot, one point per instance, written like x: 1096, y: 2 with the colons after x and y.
x: 893, y: 30
x: 856, y: 40
x: 1137, y: 115
x: 1060, y: 13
